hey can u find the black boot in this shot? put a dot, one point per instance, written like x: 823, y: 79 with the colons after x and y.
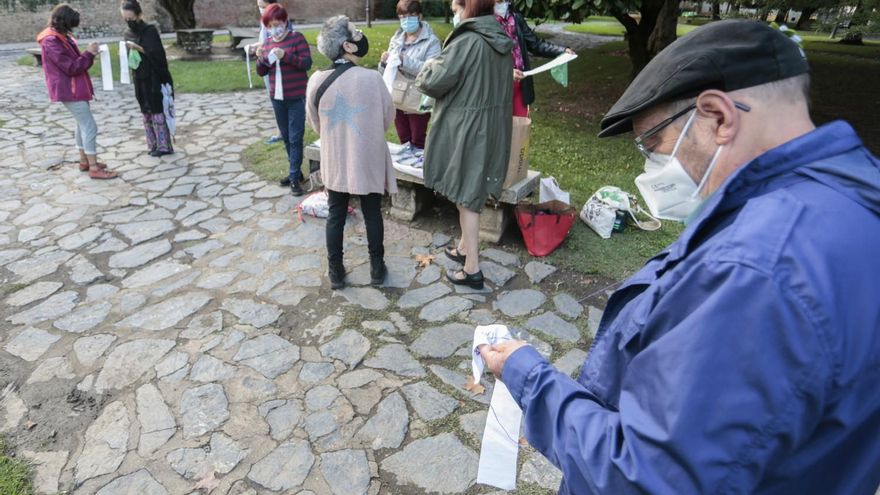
x: 378, y: 270
x: 337, y: 276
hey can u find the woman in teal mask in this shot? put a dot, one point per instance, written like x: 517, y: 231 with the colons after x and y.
x: 412, y: 45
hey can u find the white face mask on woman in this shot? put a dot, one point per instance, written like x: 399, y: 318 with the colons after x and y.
x: 456, y: 19
x: 668, y: 190
x: 277, y: 32
x: 502, y: 8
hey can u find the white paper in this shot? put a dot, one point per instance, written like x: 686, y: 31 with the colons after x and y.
x: 124, y: 76
x: 500, y: 444
x: 391, y: 70
x: 106, y: 68
x: 556, y: 62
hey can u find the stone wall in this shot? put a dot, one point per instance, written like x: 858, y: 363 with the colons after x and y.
x: 21, y: 20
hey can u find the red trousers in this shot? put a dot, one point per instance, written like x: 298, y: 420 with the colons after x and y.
x: 412, y: 128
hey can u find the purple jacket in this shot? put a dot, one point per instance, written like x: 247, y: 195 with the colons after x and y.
x: 66, y: 69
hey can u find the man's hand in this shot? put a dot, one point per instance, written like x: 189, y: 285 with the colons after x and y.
x: 134, y: 46
x: 497, y: 355
x: 384, y: 57
x: 279, y: 53
x: 518, y: 75
x: 570, y: 51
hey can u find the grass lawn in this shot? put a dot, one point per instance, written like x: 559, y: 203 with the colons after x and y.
x: 14, y: 474
x: 609, y: 26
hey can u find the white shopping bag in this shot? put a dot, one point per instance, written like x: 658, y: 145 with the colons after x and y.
x: 550, y: 190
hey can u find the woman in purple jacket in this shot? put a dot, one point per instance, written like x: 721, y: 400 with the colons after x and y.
x: 68, y: 81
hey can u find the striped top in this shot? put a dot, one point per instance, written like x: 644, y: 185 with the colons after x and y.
x: 296, y: 62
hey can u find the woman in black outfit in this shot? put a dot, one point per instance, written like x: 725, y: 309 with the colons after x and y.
x: 153, y: 86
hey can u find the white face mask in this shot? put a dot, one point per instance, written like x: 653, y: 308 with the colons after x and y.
x: 501, y: 9
x: 278, y: 32
x: 668, y: 190
x: 456, y: 19
x: 262, y: 11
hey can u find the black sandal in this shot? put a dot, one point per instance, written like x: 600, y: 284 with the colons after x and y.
x: 453, y: 254
x: 472, y: 280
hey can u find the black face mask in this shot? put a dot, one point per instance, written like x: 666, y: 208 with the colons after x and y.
x: 363, y: 46
x: 135, y: 25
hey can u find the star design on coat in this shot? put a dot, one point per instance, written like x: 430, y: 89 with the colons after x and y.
x: 343, y: 113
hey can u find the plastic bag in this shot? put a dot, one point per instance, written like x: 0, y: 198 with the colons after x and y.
x: 549, y: 190
x: 601, y: 209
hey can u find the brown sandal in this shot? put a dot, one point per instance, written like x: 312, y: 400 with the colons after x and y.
x: 84, y: 167
x: 101, y: 174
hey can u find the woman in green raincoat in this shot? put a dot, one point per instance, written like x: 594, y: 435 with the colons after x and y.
x: 468, y: 146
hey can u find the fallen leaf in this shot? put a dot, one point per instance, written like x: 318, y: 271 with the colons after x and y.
x: 208, y: 482
x: 424, y: 259
x: 472, y: 387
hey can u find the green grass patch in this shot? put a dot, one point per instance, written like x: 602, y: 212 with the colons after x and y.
x: 26, y: 60
x: 15, y: 474
x: 611, y: 27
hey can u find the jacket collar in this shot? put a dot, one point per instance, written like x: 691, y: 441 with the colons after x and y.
x: 826, y: 141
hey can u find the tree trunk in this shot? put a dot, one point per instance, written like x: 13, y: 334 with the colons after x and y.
x: 781, y: 16
x: 805, y: 17
x: 181, y: 12
x: 716, y: 10
x: 652, y: 33
x: 663, y: 32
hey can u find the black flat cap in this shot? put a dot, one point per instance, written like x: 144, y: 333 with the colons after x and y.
x: 724, y: 55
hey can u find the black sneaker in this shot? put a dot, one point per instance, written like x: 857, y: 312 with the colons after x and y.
x: 377, y: 273
x: 337, y: 277
x: 285, y: 182
x: 296, y: 189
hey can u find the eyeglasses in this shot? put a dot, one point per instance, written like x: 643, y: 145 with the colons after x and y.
x: 642, y: 138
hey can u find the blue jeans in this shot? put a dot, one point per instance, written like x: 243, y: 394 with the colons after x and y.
x: 291, y: 118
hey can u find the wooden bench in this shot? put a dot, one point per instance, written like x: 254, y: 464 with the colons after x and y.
x: 413, y: 197
x: 38, y: 55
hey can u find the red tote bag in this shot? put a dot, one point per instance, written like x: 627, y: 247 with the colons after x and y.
x: 544, y: 226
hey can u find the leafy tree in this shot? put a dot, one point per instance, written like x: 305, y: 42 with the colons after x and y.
x: 650, y: 24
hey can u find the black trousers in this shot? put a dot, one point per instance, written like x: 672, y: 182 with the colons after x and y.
x: 371, y: 205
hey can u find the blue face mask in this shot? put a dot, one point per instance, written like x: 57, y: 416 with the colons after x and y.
x: 410, y: 24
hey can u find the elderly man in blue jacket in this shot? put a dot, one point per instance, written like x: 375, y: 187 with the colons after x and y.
x: 745, y: 357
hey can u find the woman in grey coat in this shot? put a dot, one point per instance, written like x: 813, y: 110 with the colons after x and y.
x: 413, y: 44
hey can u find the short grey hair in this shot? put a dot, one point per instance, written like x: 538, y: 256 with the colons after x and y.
x: 333, y: 34
x: 791, y: 90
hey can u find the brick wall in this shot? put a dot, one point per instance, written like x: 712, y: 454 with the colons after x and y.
x: 102, y: 18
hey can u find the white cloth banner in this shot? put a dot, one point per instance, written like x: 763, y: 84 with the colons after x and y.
x: 500, y: 444
x: 106, y: 68
x: 556, y: 62
x: 279, y: 90
x: 247, y: 61
x: 391, y: 70
x: 124, y: 76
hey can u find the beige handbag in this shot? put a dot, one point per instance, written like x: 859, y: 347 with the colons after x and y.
x: 404, y: 94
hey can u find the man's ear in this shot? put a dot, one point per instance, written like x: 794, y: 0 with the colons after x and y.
x: 717, y: 106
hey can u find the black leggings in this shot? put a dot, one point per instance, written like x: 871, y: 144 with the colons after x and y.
x: 371, y: 205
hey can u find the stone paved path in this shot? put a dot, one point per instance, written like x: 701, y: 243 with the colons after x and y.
x: 173, y: 332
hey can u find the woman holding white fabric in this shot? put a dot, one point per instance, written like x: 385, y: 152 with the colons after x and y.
x: 286, y: 58
x: 413, y: 44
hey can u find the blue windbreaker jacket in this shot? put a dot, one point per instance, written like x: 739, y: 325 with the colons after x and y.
x: 744, y: 358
